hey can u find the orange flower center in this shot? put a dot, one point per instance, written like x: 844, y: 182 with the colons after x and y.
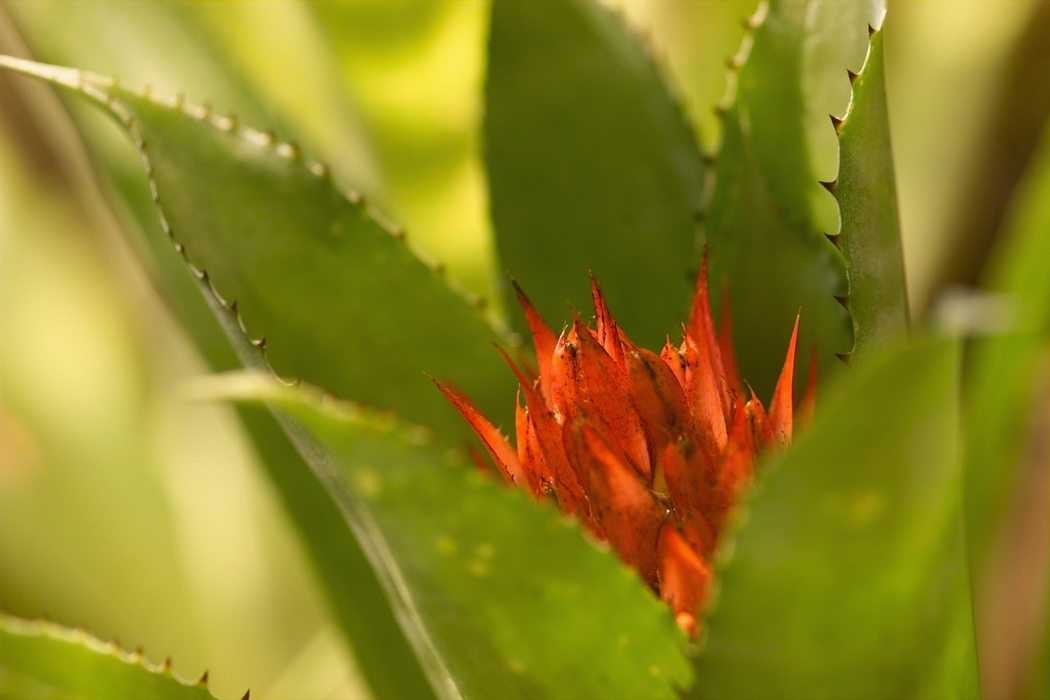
x: 651, y: 452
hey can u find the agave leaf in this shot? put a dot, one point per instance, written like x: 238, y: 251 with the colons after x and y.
x: 866, y: 192
x: 501, y: 597
x: 42, y: 659
x: 313, y: 270
x: 1001, y: 372
x: 358, y: 602
x: 769, y: 215
x: 849, y: 578
x: 592, y: 167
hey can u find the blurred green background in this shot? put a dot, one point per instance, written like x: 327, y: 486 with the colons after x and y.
x: 142, y: 516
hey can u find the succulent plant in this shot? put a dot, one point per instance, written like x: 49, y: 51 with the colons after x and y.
x: 654, y: 531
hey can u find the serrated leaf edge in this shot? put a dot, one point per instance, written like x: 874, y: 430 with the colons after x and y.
x: 82, y: 637
x: 733, y: 65
x: 95, y: 86
x: 839, y: 123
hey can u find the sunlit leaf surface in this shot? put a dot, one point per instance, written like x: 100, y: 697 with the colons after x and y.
x: 592, y: 167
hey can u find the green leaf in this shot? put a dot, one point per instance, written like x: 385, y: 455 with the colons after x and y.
x: 502, y: 598
x: 592, y: 167
x: 867, y: 195
x: 1002, y: 369
x: 358, y: 602
x: 849, y: 578
x: 769, y: 215
x: 42, y: 659
x: 340, y: 298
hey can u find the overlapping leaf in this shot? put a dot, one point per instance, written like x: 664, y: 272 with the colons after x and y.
x: 42, y: 659
x: 591, y: 167
x: 509, y: 599
x: 866, y: 192
x: 850, y: 578
x: 768, y: 216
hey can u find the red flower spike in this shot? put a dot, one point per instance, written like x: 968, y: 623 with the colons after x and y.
x: 626, y: 510
x: 685, y: 578
x: 548, y: 446
x: 498, y: 447
x: 761, y: 427
x: 780, y: 407
x: 658, y: 397
x: 543, y: 340
x: 690, y: 489
x: 607, y: 333
x: 737, y: 465
x: 702, y: 329
x: 603, y: 385
x: 651, y: 452
x: 701, y: 390
x: 565, y: 377
x: 672, y: 357
x: 533, y: 479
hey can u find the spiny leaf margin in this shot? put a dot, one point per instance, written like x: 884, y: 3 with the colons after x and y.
x: 434, y: 313
x: 869, y: 236
x: 30, y: 648
x: 768, y: 218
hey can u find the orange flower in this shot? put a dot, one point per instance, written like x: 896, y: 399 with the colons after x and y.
x: 651, y: 452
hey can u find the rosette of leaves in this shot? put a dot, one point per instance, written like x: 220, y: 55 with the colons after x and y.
x: 845, y: 573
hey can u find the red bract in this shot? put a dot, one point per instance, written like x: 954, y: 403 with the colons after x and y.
x: 651, y: 452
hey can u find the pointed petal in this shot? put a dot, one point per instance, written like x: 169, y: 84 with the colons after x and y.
x: 658, y: 397
x: 761, y: 427
x: 702, y: 330
x: 629, y: 514
x: 607, y: 332
x: 533, y: 469
x: 736, y: 469
x: 603, y: 392
x: 565, y: 376
x: 685, y: 578
x: 498, y: 447
x: 543, y: 339
x: 701, y: 306
x: 690, y: 487
x: 672, y: 357
x: 548, y: 449
x: 704, y: 395
x: 780, y: 408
